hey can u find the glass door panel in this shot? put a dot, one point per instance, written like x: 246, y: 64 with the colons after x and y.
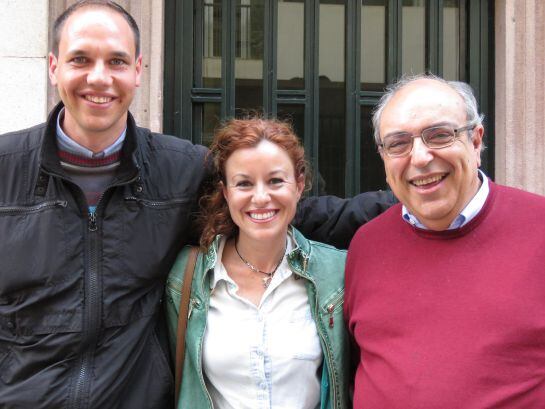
x: 291, y: 44
x: 211, y: 118
x: 451, y: 39
x: 332, y: 95
x: 210, y: 49
x: 373, y: 45
x: 249, y: 55
x: 295, y: 115
x: 372, y: 176
x: 413, y: 42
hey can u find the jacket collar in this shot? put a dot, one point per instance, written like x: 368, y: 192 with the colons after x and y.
x: 130, y: 154
x: 298, y: 257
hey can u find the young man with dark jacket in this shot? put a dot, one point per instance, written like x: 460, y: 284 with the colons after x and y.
x: 93, y: 210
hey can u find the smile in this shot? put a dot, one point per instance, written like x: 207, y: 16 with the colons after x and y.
x: 98, y: 100
x: 429, y: 180
x: 262, y: 215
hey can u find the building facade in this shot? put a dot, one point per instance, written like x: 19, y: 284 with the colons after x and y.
x: 320, y: 63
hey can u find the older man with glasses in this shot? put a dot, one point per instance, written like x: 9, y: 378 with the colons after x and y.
x: 445, y: 292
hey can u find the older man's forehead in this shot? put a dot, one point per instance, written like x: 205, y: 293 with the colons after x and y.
x: 424, y: 97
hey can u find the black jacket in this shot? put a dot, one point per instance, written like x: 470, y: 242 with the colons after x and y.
x: 79, y: 295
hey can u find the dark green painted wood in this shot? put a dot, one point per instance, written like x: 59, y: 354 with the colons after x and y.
x: 228, y: 14
x: 352, y: 81
x: 434, y: 36
x: 169, y: 71
x: 185, y: 95
x: 185, y: 52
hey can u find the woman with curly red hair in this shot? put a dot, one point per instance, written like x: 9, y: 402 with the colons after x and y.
x: 265, y: 327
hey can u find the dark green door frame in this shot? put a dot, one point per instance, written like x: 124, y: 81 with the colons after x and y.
x: 184, y: 91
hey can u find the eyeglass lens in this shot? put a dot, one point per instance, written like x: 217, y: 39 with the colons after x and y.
x: 401, y: 144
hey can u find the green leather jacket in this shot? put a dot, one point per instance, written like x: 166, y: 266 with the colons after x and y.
x: 321, y: 265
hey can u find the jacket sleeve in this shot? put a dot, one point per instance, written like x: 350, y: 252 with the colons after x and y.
x: 334, y: 220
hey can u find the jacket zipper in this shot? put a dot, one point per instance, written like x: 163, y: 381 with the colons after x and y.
x: 328, y: 353
x: 201, y: 377
x: 332, y: 305
x: 14, y: 210
x: 153, y: 203
x: 91, y: 300
x: 92, y: 306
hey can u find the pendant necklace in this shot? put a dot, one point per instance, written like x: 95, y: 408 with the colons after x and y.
x: 266, y: 280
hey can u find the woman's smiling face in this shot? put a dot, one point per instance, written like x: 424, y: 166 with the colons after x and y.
x: 262, y: 190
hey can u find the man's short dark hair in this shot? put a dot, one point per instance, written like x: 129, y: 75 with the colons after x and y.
x: 59, y: 22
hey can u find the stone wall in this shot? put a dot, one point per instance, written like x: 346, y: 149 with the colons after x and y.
x: 23, y: 63
x: 520, y: 94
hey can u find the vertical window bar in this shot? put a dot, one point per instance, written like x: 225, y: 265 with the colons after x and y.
x: 393, y: 34
x: 198, y: 52
x: 312, y: 86
x: 434, y: 36
x: 228, y: 66
x: 200, y: 48
x: 171, y: 108
x: 352, y: 81
x: 462, y: 18
x: 185, y: 52
x: 270, y: 57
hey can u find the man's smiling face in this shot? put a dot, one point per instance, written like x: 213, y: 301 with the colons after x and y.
x: 96, y: 73
x: 434, y: 184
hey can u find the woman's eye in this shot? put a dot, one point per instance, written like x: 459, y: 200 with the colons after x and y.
x: 243, y: 184
x: 276, y: 181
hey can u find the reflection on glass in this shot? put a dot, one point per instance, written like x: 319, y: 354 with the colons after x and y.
x: 413, y: 36
x: 451, y: 35
x: 295, y: 115
x: 211, y: 43
x: 373, y: 44
x: 291, y: 44
x: 211, y: 116
x: 372, y: 176
x: 332, y: 150
x: 249, y: 55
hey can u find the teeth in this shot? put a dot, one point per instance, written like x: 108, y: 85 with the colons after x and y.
x: 262, y: 216
x: 425, y: 181
x: 98, y: 100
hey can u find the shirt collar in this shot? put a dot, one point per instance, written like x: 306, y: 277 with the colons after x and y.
x: 466, y: 215
x: 67, y: 144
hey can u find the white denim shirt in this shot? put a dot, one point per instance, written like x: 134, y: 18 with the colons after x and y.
x: 266, y: 356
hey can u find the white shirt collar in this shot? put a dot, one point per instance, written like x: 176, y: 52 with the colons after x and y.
x: 67, y: 144
x: 466, y: 215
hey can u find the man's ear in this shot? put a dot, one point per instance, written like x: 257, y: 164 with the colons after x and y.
x: 477, y: 142
x: 138, y: 70
x: 53, y: 65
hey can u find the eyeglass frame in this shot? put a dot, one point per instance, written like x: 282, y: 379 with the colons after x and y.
x: 456, y: 131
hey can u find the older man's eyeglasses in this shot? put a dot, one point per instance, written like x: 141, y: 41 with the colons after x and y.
x: 401, y: 144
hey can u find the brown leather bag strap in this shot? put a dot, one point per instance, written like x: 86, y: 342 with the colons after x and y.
x: 183, y: 312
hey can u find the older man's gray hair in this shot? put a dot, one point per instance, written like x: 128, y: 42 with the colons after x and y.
x: 463, y: 89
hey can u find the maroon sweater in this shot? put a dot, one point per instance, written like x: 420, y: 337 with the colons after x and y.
x: 453, y: 319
